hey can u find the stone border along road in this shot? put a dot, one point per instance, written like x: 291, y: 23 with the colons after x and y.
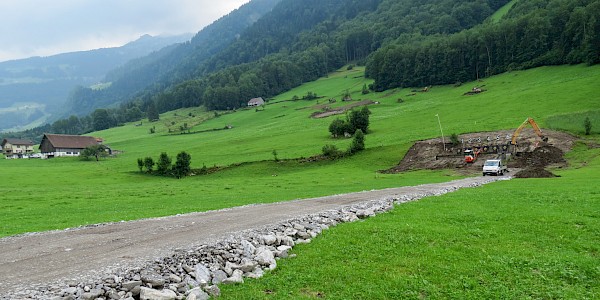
x: 120, y: 260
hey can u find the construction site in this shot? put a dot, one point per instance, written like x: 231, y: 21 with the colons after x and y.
x: 526, y: 151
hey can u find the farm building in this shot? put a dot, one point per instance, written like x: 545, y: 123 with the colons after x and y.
x: 55, y: 145
x: 15, y: 148
x: 256, y: 101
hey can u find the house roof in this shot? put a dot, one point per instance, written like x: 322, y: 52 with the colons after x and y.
x: 70, y: 141
x: 256, y: 100
x: 17, y: 142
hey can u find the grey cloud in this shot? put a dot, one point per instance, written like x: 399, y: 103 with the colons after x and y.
x: 32, y: 27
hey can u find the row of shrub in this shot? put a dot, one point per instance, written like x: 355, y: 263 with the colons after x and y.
x: 180, y: 169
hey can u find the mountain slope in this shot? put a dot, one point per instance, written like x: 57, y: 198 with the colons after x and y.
x: 45, y: 82
x: 402, y: 43
x: 160, y: 69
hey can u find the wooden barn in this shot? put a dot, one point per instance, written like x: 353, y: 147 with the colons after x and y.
x: 56, y: 145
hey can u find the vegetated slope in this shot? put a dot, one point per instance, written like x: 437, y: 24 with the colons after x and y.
x: 296, y: 42
x: 114, y: 190
x: 533, y: 33
x: 45, y: 82
x: 158, y: 70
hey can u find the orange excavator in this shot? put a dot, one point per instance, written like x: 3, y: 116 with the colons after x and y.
x: 536, y: 128
x: 471, y: 155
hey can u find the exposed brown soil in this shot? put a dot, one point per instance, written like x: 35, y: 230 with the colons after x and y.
x: 535, y: 172
x: 340, y: 110
x: 539, y: 158
x: 530, y: 151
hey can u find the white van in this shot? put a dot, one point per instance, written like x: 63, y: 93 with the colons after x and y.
x: 494, y: 167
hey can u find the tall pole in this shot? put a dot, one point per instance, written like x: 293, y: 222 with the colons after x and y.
x: 440, y: 123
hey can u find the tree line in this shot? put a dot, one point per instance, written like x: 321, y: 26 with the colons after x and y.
x: 534, y: 33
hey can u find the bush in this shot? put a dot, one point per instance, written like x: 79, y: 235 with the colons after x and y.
x: 96, y: 151
x: 454, y: 139
x: 338, y: 127
x: 358, y: 142
x: 310, y: 96
x: 164, y: 164
x: 359, y: 119
x: 182, y: 165
x: 140, y: 162
x: 365, y: 90
x: 331, y: 151
x: 587, y: 125
x: 149, y: 164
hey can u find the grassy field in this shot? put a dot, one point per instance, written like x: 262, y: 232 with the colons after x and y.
x: 518, y: 239
x: 574, y: 122
x: 60, y: 193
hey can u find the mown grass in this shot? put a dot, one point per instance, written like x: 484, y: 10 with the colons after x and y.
x: 518, y: 239
x: 59, y: 193
x: 574, y: 122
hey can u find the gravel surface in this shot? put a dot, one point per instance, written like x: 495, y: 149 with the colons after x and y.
x: 38, y: 261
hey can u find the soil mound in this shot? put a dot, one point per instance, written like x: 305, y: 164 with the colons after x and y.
x: 534, y: 162
x: 535, y: 172
x: 539, y: 158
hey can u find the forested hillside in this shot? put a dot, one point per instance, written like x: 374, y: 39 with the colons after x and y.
x: 296, y: 42
x: 532, y: 34
x: 402, y: 43
x: 158, y: 70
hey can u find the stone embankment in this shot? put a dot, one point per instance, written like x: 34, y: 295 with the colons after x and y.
x: 197, y: 273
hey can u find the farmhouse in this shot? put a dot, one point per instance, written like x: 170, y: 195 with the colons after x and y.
x: 15, y: 148
x: 55, y: 145
x: 256, y: 101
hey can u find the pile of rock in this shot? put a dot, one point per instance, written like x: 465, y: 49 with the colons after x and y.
x: 196, y: 274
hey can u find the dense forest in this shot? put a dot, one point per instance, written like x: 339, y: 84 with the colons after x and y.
x: 532, y: 34
x: 402, y: 43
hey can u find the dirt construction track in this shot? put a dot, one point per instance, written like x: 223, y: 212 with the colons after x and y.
x: 40, y: 259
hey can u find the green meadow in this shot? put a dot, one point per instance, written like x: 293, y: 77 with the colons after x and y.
x: 517, y: 239
x: 52, y: 194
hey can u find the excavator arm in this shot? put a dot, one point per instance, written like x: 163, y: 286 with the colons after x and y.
x: 533, y: 124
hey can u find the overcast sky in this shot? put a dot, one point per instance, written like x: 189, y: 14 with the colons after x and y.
x: 46, y: 27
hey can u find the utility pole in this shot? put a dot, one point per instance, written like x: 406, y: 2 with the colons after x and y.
x: 440, y: 123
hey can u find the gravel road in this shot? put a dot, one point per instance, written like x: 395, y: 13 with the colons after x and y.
x: 39, y: 259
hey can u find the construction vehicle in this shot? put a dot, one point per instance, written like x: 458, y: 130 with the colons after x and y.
x: 533, y: 124
x: 471, y: 155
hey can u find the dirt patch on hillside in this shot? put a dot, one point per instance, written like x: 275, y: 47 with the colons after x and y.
x: 339, y: 110
x: 530, y: 152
